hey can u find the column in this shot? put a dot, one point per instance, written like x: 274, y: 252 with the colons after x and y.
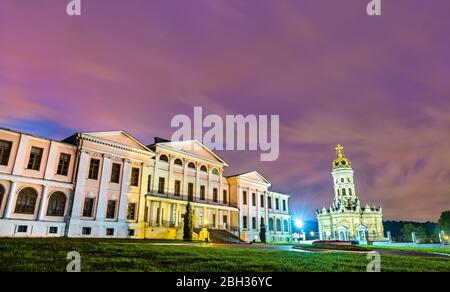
x: 258, y: 220
x: 43, y: 204
x: 184, y: 184
x: 9, y: 202
x: 50, y: 160
x: 169, y: 176
x: 155, y: 171
x: 204, y: 217
x: 266, y: 209
x: 104, y: 182
x: 177, y: 215
x: 229, y: 220
x: 216, y: 224
x: 159, y: 214
x: 80, y: 182
x: 197, y: 179
x: 220, y: 194
x: 123, y: 205
x: 19, y: 163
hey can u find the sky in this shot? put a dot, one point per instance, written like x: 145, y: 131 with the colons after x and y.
x: 377, y: 85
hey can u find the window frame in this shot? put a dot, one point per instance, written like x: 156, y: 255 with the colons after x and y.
x: 57, y: 211
x: 35, y: 159
x: 112, y: 208
x: 63, y: 166
x: 116, y: 170
x: 161, y: 185
x: 27, y: 203
x: 5, y: 152
x: 94, y: 169
x: 135, y: 174
x: 91, y: 201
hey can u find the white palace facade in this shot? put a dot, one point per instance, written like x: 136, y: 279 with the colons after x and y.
x: 109, y: 185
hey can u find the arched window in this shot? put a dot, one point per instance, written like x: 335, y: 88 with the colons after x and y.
x: 278, y: 225
x: 26, y: 201
x: 178, y: 162
x: 203, y: 168
x: 2, y: 194
x: 350, y: 192
x: 286, y: 226
x: 57, y: 204
x: 344, y: 192
x: 191, y: 165
x: 164, y: 158
x: 215, y: 171
x: 271, y: 224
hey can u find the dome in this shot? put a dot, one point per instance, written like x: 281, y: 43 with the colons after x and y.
x: 341, y: 161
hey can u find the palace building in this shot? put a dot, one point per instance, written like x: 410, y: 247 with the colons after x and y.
x: 345, y: 219
x: 109, y: 185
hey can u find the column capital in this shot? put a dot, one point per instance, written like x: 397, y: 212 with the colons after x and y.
x: 84, y: 151
x: 126, y: 160
x: 109, y: 156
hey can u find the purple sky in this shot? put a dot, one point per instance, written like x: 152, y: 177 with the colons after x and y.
x: 378, y: 85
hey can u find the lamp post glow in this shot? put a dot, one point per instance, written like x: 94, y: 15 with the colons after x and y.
x: 299, y: 223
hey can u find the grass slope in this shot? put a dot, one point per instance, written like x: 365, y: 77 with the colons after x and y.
x: 125, y: 255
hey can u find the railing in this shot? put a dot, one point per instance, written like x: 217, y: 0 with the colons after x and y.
x: 186, y: 198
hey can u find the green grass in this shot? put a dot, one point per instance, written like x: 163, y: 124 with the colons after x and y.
x: 126, y: 255
x: 406, y: 248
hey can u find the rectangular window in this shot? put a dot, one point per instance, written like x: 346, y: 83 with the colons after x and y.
x: 202, y: 193
x: 63, y: 164
x: 225, y: 197
x: 244, y: 222
x: 22, y: 228
x: 277, y: 204
x: 177, y: 190
x: 5, y: 151
x: 134, y: 177
x: 284, y: 205
x: 88, y: 207
x: 161, y: 184
x: 94, y: 168
x: 244, y: 197
x: 149, y: 184
x: 109, y: 231
x: 86, y: 231
x: 190, y: 192
x: 111, y: 210
x: 53, y: 230
x: 261, y: 199
x: 130, y: 232
x: 35, y: 158
x: 269, y: 202
x: 253, y: 222
x: 131, y: 211
x: 115, y: 173
x: 253, y: 199
x: 215, y: 195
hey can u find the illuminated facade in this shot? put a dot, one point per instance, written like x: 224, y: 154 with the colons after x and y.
x: 109, y: 185
x: 345, y: 219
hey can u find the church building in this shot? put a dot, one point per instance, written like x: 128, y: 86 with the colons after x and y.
x: 346, y: 219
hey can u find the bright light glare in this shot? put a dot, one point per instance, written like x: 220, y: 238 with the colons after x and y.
x: 299, y: 223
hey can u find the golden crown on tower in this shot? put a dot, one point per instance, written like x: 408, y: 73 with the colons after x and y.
x: 341, y: 161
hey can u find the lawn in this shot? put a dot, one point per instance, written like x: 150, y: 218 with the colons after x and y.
x: 126, y: 255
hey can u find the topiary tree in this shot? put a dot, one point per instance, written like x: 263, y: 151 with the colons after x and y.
x: 188, y: 227
x: 262, y: 233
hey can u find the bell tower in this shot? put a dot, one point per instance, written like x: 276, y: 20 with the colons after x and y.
x: 344, y: 186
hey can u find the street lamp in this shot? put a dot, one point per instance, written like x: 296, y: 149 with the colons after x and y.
x: 299, y: 223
